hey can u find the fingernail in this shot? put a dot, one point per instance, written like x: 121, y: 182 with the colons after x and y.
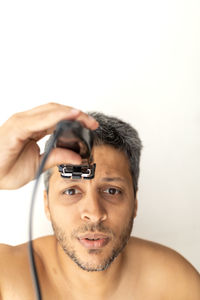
x: 74, y: 111
x: 92, y: 119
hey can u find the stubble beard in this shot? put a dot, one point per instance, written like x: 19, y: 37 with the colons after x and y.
x: 86, y: 266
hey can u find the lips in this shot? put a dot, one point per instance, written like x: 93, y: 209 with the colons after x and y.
x: 94, y: 240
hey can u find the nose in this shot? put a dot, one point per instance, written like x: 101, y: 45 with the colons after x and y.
x: 92, y: 209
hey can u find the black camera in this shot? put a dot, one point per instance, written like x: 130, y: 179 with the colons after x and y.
x: 72, y: 135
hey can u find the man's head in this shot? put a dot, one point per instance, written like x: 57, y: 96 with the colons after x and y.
x: 100, y: 209
x: 118, y: 134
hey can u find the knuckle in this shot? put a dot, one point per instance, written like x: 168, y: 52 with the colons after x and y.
x: 53, y: 104
x: 16, y: 117
x: 59, y: 106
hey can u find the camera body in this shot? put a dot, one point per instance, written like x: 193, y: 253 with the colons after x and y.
x: 72, y: 135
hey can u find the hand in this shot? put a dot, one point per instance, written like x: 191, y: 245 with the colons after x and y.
x: 19, y: 152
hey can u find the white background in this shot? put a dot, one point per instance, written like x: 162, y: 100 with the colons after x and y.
x: 138, y: 60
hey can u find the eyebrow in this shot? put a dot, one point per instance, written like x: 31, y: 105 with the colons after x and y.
x: 107, y: 179
x: 71, y: 180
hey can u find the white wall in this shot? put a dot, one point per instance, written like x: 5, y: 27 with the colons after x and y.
x: 136, y: 60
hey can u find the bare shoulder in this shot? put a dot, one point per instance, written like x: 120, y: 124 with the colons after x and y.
x: 14, y: 270
x: 15, y: 267
x: 12, y: 259
x: 7, y: 257
x: 165, y: 269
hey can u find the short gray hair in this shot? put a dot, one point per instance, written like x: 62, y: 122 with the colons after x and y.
x: 118, y: 134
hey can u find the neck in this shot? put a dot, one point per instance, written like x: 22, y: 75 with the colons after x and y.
x: 99, y: 283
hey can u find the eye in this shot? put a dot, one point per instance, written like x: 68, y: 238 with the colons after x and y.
x: 71, y: 192
x: 112, y: 191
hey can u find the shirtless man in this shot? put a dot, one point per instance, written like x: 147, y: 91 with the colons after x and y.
x: 69, y: 265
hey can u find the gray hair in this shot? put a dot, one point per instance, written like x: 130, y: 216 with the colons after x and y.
x: 118, y: 134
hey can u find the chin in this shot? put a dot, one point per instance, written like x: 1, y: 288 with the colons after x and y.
x: 95, y: 260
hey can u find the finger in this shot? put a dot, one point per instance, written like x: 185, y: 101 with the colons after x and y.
x: 26, y: 125
x: 56, y: 108
x: 60, y: 156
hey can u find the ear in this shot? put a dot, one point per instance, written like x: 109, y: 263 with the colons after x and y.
x: 46, y: 206
x: 135, y: 206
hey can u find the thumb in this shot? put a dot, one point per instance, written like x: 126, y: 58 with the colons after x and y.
x: 60, y: 156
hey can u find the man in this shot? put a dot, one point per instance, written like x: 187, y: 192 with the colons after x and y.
x: 91, y: 254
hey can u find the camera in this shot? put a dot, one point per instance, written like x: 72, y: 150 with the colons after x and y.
x: 72, y: 135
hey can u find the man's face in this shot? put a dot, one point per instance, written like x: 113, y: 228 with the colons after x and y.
x: 92, y: 219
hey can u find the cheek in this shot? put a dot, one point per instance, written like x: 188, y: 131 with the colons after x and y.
x: 119, y: 217
x: 63, y: 216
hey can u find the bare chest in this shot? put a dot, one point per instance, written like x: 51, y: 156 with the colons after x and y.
x: 21, y: 288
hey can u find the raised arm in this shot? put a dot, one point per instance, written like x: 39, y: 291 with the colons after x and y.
x: 19, y: 152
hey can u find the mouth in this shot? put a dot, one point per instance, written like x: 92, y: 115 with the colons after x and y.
x: 94, y: 240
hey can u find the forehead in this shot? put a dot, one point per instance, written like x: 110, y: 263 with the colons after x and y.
x: 110, y: 163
